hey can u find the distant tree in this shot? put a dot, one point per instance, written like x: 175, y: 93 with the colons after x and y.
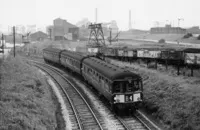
x: 188, y: 35
x: 161, y: 41
x: 198, y: 38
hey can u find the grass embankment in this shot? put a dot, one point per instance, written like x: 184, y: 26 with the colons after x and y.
x: 25, y: 98
x: 174, y: 100
x: 167, y: 37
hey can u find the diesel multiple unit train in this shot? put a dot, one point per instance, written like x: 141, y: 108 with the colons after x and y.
x: 122, y: 88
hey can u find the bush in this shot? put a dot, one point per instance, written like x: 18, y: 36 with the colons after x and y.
x: 198, y: 38
x: 161, y: 41
x: 188, y: 35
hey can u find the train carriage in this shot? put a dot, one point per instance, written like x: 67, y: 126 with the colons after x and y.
x: 131, y: 53
x: 192, y: 56
x: 71, y: 60
x: 51, y: 55
x: 120, y: 52
x: 172, y: 54
x: 146, y: 53
x: 109, y: 52
x: 122, y: 88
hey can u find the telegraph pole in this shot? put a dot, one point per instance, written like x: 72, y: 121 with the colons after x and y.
x: 110, y: 36
x: 2, y: 38
x: 14, y: 39
x: 50, y: 33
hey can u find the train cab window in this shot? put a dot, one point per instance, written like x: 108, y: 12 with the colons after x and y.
x: 136, y: 85
x: 116, y: 87
x: 129, y: 87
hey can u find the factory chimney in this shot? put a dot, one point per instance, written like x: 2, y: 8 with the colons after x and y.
x: 130, y: 26
x: 96, y: 15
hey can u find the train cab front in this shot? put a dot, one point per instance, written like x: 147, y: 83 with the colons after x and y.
x: 127, y: 94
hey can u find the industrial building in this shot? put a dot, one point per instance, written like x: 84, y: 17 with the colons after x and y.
x: 38, y: 36
x: 63, y: 30
x: 167, y: 30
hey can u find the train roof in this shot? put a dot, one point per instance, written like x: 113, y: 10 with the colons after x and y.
x: 74, y: 55
x: 110, y: 71
x: 52, y: 49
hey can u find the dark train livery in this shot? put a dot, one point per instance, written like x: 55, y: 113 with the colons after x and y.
x: 122, y: 88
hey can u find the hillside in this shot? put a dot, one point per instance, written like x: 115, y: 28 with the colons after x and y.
x: 167, y: 37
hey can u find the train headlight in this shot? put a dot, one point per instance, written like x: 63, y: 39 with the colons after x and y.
x: 137, y: 97
x: 119, y: 98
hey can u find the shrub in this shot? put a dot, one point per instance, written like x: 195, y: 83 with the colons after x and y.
x: 161, y: 41
x: 188, y: 35
x: 198, y: 38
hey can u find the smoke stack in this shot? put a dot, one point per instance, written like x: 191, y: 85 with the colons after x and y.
x: 130, y: 26
x: 96, y: 15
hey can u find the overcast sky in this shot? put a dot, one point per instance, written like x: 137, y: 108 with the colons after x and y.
x: 144, y: 12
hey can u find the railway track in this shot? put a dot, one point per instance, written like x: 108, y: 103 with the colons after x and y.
x: 81, y: 114
x: 145, y: 121
x: 138, y: 121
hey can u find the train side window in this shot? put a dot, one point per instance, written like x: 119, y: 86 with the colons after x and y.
x: 106, y: 81
x: 103, y: 78
x: 97, y: 78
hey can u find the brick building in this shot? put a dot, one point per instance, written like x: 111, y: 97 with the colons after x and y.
x: 63, y: 30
